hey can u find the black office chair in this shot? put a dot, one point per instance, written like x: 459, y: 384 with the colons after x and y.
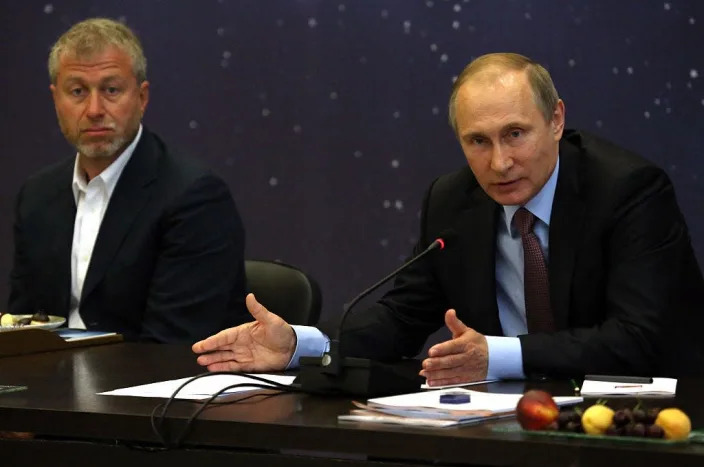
x: 285, y: 290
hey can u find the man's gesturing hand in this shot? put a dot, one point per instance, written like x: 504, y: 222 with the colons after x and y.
x: 462, y: 359
x: 265, y: 344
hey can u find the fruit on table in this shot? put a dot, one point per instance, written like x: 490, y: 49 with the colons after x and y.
x: 7, y: 320
x: 674, y: 423
x: 10, y: 321
x: 39, y: 318
x: 536, y: 410
x: 597, y: 419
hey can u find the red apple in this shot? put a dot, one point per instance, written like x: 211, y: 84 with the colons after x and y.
x: 536, y: 410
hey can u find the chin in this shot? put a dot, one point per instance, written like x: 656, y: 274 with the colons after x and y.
x: 99, y: 151
x: 509, y: 199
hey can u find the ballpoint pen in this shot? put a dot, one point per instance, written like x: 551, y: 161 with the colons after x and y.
x: 620, y: 379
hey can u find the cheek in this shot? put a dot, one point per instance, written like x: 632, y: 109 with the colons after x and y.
x: 67, y: 118
x: 126, y: 113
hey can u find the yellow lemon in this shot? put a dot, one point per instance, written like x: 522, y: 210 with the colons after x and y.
x: 7, y: 320
x: 596, y: 419
x: 674, y: 423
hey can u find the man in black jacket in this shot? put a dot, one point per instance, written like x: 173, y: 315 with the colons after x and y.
x: 572, y: 256
x: 126, y: 236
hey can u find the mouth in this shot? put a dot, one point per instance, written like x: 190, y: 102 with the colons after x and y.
x: 97, y: 131
x: 507, y: 184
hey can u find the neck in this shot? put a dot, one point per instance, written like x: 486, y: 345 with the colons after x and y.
x: 94, y: 166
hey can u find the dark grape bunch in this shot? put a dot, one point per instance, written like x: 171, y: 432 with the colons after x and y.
x: 568, y: 420
x: 636, y: 422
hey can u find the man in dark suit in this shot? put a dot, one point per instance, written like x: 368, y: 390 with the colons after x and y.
x: 572, y: 256
x: 128, y: 236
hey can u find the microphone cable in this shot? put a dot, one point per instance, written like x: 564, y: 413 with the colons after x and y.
x: 157, y: 421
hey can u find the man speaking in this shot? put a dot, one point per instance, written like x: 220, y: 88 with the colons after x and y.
x: 572, y: 256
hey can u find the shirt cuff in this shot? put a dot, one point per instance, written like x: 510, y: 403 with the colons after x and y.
x: 505, y: 358
x: 310, y: 342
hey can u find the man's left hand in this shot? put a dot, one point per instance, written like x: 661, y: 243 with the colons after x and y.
x: 462, y: 359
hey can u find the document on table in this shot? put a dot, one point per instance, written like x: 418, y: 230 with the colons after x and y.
x: 659, y: 387
x: 199, y: 389
x: 412, y: 409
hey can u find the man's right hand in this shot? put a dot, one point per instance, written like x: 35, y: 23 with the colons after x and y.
x: 265, y: 344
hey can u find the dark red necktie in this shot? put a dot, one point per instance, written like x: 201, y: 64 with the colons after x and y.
x: 536, y: 286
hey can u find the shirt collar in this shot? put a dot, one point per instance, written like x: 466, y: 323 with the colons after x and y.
x: 539, y: 205
x: 109, y: 176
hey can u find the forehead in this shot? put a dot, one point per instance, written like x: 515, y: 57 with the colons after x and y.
x: 495, y: 97
x: 109, y: 60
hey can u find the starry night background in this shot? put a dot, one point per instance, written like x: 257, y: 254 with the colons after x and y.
x: 328, y: 118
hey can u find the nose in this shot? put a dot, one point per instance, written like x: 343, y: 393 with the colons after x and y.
x: 501, y: 160
x: 95, y: 108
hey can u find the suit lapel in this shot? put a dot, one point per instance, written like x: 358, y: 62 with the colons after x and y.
x: 131, y: 194
x: 476, y: 225
x: 565, y: 226
x: 61, y: 215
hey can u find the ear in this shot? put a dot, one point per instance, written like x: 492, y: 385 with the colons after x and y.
x: 143, y: 95
x: 53, y: 90
x: 558, y: 120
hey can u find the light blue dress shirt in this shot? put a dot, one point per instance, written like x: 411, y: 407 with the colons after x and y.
x: 505, y: 355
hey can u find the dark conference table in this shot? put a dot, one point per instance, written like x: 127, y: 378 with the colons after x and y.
x: 72, y: 425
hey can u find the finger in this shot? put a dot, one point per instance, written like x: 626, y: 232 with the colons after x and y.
x: 442, y: 363
x: 453, y: 323
x: 216, y: 357
x: 221, y: 339
x: 448, y: 381
x: 259, y: 311
x: 227, y: 366
x: 451, y: 347
x: 436, y: 375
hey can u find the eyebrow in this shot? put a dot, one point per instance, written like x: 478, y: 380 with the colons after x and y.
x: 508, y: 126
x: 73, y: 78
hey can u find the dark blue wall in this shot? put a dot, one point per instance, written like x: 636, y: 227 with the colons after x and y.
x: 328, y: 118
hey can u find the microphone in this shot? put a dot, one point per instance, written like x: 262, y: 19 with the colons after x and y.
x: 334, y: 374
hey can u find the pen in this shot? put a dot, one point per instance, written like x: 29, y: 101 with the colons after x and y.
x: 628, y: 386
x: 620, y: 379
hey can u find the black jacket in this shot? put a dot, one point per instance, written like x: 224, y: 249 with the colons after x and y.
x: 167, y: 265
x: 626, y: 290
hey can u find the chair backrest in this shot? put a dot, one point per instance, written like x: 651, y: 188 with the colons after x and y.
x: 285, y: 290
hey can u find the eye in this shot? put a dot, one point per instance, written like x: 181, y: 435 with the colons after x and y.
x: 515, y: 133
x: 476, y: 141
x: 76, y: 92
x: 112, y: 90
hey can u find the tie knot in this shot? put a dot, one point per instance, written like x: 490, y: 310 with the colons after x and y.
x: 524, y: 220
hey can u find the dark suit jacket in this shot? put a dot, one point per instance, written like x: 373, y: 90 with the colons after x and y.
x: 626, y: 290
x: 168, y: 261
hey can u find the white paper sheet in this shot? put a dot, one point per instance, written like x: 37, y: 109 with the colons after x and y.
x: 481, y: 406
x: 659, y: 387
x: 199, y: 389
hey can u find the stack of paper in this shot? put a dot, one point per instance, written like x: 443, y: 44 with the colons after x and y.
x: 425, y: 408
x: 659, y: 387
x: 72, y: 335
x: 199, y: 389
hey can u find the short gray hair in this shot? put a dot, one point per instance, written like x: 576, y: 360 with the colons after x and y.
x: 544, y: 91
x: 94, y: 35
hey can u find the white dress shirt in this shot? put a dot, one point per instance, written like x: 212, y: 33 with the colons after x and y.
x: 92, y: 198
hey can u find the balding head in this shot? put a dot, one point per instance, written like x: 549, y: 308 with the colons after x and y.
x: 494, y: 67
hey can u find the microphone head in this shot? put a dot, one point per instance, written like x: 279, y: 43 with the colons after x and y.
x: 445, y: 237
